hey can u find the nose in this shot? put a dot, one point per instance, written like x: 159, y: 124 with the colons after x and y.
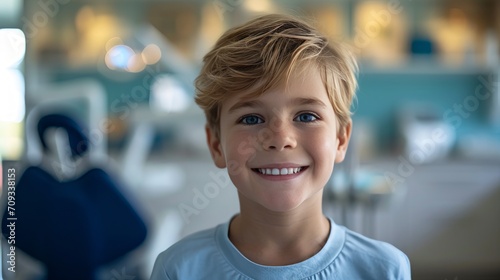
x: 279, y: 136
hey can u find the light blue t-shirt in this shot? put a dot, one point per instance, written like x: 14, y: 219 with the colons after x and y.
x: 209, y: 254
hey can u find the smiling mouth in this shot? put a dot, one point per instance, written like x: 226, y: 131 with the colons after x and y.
x: 279, y: 171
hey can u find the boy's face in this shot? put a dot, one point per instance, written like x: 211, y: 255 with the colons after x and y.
x: 280, y: 147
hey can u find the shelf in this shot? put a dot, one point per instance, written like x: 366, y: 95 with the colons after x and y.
x: 431, y: 68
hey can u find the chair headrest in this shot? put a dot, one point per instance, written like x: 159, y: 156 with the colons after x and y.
x: 78, y: 140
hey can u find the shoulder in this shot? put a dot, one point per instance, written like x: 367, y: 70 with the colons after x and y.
x: 198, y: 242
x: 374, y: 249
x: 375, y: 256
x: 194, y: 250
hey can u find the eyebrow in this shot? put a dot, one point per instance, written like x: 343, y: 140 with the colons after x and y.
x: 257, y: 103
x: 246, y: 104
x: 308, y: 101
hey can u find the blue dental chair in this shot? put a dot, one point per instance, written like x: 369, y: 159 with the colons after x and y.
x: 76, y: 225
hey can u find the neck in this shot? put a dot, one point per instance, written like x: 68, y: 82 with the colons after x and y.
x: 279, y: 238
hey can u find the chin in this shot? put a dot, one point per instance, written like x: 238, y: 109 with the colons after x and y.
x: 282, y: 205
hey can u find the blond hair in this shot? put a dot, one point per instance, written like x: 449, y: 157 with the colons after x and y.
x: 260, y: 54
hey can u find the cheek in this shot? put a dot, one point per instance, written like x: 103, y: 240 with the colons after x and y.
x: 240, y: 150
x: 241, y: 147
x: 323, y: 147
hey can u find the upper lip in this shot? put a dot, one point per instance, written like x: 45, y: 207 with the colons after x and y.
x: 280, y: 165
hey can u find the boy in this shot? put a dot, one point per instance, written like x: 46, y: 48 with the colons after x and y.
x: 277, y: 101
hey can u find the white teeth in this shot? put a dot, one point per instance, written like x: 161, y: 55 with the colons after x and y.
x: 277, y: 171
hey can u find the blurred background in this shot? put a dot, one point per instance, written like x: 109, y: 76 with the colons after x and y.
x: 423, y: 171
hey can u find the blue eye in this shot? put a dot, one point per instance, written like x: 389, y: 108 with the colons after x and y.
x: 251, y: 120
x: 306, y: 117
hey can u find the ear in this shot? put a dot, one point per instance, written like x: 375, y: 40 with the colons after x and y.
x: 343, y: 137
x: 215, y: 148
